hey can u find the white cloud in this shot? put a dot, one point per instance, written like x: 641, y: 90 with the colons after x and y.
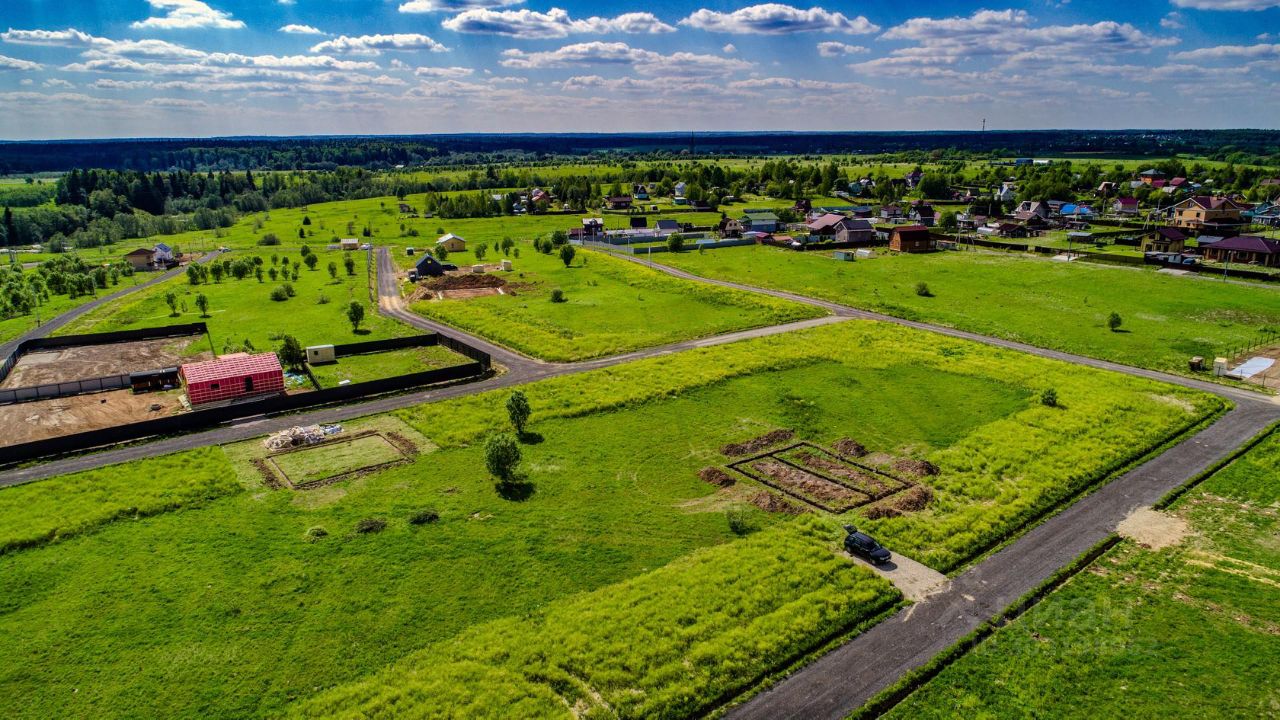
x: 778, y: 19
x: 837, y: 49
x: 646, y: 62
x: 555, y: 23
x: 375, y: 44
x: 188, y: 14
x: 1229, y: 51
x: 1245, y: 5
x: 177, y: 103
x: 294, y: 29
x: 729, y: 49
x: 1172, y: 21
x: 57, y: 83
x: 10, y: 63
x: 786, y: 83
x: 643, y: 87
x: 287, y: 2
x: 443, y: 72
x: 432, y: 6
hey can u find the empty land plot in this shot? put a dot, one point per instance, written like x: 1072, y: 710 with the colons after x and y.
x: 42, y: 419
x: 85, y: 362
x: 1063, y: 306
x: 311, y: 465
x: 375, y: 366
x: 159, y: 616
x: 1189, y: 630
x: 612, y: 306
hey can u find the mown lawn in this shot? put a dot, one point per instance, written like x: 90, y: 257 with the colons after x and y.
x: 241, y: 312
x: 1187, y: 631
x: 373, y: 366
x: 1063, y: 306
x: 611, y: 306
x: 227, y: 608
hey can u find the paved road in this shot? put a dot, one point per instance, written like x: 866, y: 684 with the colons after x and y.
x: 50, y: 325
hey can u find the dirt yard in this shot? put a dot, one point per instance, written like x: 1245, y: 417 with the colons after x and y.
x: 25, y: 422
x: 94, y: 361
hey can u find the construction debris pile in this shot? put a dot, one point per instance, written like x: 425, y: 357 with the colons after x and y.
x: 295, y: 436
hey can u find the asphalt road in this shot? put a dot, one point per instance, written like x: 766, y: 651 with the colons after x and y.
x: 843, y: 679
x: 50, y: 325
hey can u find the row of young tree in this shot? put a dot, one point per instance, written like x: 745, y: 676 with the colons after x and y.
x: 23, y: 292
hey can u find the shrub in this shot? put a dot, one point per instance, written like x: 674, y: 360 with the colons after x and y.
x: 567, y: 254
x: 355, y: 315
x: 370, y: 525
x: 322, y: 300
x: 501, y: 456
x: 288, y: 288
x: 424, y: 517
x: 739, y: 520
x: 557, y: 296
x: 1049, y: 397
x: 922, y: 289
x: 269, y: 239
x: 675, y: 242
x: 518, y: 411
x: 291, y: 353
x: 314, y: 534
x: 1114, y: 321
x: 279, y: 294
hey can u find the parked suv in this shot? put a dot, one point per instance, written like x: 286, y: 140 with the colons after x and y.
x: 865, y: 546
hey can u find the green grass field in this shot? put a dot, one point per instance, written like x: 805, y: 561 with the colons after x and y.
x: 372, y: 366
x: 234, y: 607
x: 1063, y: 306
x: 329, y: 460
x: 612, y: 306
x: 1185, y: 631
x: 242, y: 310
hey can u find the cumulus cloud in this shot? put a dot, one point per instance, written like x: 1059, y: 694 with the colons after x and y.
x: 188, y: 14
x: 375, y: 44
x: 729, y: 49
x: 294, y: 29
x: 837, y: 49
x: 778, y: 19
x: 786, y: 83
x: 1240, y: 5
x: 432, y: 6
x: 645, y: 62
x: 1219, y: 52
x: 1172, y: 21
x: 10, y: 63
x: 443, y: 72
x: 641, y: 87
x: 555, y: 23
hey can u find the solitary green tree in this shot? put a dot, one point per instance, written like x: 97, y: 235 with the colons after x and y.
x: 291, y: 353
x: 501, y: 457
x: 1114, y: 322
x: 333, y: 270
x: 675, y: 243
x: 311, y: 260
x: 350, y: 263
x: 202, y: 302
x: 355, y: 314
x: 518, y: 410
x: 567, y: 254
x: 481, y: 250
x: 171, y: 299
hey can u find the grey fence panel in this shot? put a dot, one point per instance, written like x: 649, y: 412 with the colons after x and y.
x: 371, y: 346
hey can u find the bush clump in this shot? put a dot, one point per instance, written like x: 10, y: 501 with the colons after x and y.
x: 314, y: 534
x: 424, y: 517
x: 557, y: 296
x: 279, y: 294
x: 371, y: 525
x: 1049, y: 397
x: 922, y: 289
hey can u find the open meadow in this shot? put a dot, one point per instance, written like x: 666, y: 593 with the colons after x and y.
x: 1062, y: 306
x: 1186, y: 626
x: 202, y: 584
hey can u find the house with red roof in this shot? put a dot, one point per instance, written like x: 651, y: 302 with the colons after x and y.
x: 1247, y: 249
x: 1125, y: 206
x: 231, y: 377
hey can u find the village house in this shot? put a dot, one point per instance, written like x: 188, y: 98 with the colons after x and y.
x: 923, y: 213
x: 911, y: 239
x: 1164, y: 240
x: 1028, y: 209
x: 162, y: 255
x: 913, y: 178
x: 1125, y: 206
x: 890, y: 212
x: 592, y: 227
x: 1247, y: 249
x: 1203, y: 212
x: 759, y: 221
x: 730, y: 228
x: 140, y: 259
x: 451, y: 243
x: 1149, y: 177
x: 666, y: 226
x: 1008, y: 192
x: 1264, y: 213
x: 231, y: 377
x: 349, y: 244
x: 618, y: 202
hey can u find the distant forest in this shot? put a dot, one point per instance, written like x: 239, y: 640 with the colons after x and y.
x: 384, y: 152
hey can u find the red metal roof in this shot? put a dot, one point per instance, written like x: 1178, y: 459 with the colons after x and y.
x: 230, y: 366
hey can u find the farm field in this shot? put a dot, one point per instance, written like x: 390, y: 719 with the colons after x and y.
x: 1186, y: 630
x: 242, y: 312
x: 180, y: 613
x: 1062, y: 306
x: 611, y: 306
x: 372, y: 366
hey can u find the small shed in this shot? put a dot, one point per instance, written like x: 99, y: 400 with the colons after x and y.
x: 153, y: 380
x: 320, y: 354
x: 349, y: 244
x: 846, y: 255
x: 912, y: 239
x: 233, y: 376
x: 451, y: 242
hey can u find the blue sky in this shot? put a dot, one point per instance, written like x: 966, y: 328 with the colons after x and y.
x: 144, y: 68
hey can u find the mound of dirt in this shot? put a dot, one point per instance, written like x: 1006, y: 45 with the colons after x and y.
x: 756, y: 444
x: 919, y: 468
x: 875, y: 512
x: 469, y: 281
x: 716, y: 476
x: 769, y: 502
x: 849, y: 447
x: 914, y: 499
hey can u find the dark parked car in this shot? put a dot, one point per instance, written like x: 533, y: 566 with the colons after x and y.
x: 865, y: 546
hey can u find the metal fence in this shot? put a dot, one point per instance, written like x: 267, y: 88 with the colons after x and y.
x: 51, y: 391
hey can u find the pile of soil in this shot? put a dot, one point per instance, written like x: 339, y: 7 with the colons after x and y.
x: 769, y: 502
x: 469, y: 281
x: 849, y: 447
x: 756, y: 444
x: 876, y: 512
x: 914, y: 500
x: 919, y: 468
x: 402, y: 443
x: 716, y: 476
